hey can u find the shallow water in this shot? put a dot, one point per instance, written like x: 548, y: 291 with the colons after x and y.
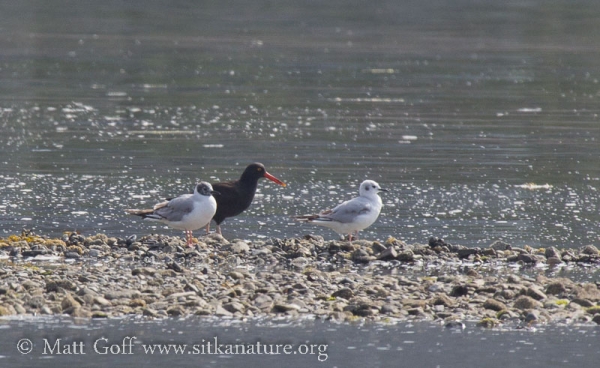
x: 312, y: 343
x: 451, y: 106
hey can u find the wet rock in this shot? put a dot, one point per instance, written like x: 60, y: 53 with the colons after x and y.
x: 345, y: 293
x: 590, y: 250
x: 406, y: 256
x: 149, y: 312
x: 487, y: 323
x: 554, y: 261
x: 335, y: 279
x: 79, y: 312
x: 556, y: 288
x: 587, y: 291
x: 442, y: 300
x: 69, y: 302
x: 361, y: 256
x: 526, y: 258
x: 500, y: 245
x: 284, y: 307
x: 176, y: 311
x: 389, y: 309
x: 494, y: 305
x: 535, y: 293
x: 30, y: 285
x: 235, y: 307
x: 388, y: 254
x: 551, y: 252
x: 437, y: 242
x: 56, y: 285
x: 526, y: 302
x: 238, y: 247
x: 134, y: 303
x: 459, y: 290
x: 122, y: 294
x: 263, y: 302
x: 147, y: 271
x: 583, y: 302
x: 465, y: 253
x: 455, y: 325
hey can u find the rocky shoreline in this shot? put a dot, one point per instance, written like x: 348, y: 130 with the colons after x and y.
x: 158, y: 276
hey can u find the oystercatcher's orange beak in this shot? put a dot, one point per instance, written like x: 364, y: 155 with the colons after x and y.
x: 274, y: 179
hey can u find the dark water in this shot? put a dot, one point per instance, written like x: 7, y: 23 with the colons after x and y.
x: 126, y: 343
x: 453, y: 105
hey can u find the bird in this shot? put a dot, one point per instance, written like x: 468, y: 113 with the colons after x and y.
x: 353, y: 215
x: 237, y: 195
x: 188, y: 212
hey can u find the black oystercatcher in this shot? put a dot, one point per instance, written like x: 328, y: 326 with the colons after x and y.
x: 236, y: 196
x: 187, y: 212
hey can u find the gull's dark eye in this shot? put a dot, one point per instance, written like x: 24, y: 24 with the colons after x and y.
x: 373, y: 187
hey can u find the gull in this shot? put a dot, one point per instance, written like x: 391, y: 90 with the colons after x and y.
x: 188, y: 212
x: 353, y: 215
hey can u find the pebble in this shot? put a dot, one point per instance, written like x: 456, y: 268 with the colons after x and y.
x: 157, y: 276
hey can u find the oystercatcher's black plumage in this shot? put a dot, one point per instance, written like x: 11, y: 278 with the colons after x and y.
x: 236, y: 196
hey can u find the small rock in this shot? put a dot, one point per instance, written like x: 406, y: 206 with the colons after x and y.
x: 389, y: 309
x: 459, y: 290
x: 556, y: 288
x: 500, y: 245
x: 494, y: 305
x: 222, y: 312
x: 590, y: 250
x: 239, y: 247
x: 283, y: 307
x: 406, y: 256
x: 551, y: 252
x: 101, y: 301
x: 487, y: 323
x: 361, y: 256
x: 176, y: 311
x: 345, y: 293
x: 442, y: 300
x: 526, y: 302
x: 455, y: 325
x: 553, y: 261
x: 79, y: 312
x: 388, y: 254
x: 122, y: 294
x: 69, y: 302
x: 236, y: 275
x: 148, y: 271
x: 263, y: 302
x: 377, y: 247
x: 583, y: 302
x: 4, y: 311
x: 149, y: 312
x: 137, y: 303
x: 234, y: 307
x: 535, y: 293
x: 465, y: 253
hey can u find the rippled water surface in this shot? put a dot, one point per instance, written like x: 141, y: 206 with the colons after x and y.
x: 481, y: 119
x: 333, y: 345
